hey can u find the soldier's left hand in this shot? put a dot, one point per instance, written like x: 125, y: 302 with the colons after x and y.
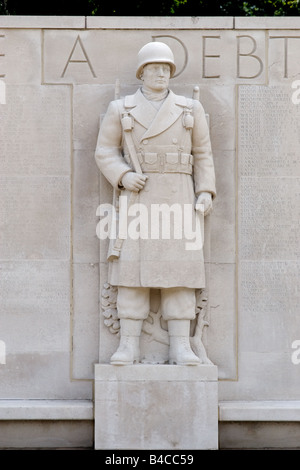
x: 204, y: 203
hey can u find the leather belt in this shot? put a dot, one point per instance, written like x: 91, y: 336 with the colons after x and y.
x: 169, y: 162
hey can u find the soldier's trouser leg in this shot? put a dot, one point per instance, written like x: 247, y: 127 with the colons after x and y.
x: 179, y: 308
x: 133, y: 307
x: 178, y: 303
x: 133, y: 302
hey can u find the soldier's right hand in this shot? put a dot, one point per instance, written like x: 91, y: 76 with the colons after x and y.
x: 133, y: 181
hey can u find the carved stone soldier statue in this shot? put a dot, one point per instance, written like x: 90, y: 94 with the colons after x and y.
x: 154, y: 146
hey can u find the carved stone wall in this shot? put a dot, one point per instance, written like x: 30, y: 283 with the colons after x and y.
x: 57, y: 76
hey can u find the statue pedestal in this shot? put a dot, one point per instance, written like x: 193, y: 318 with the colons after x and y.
x: 156, y: 407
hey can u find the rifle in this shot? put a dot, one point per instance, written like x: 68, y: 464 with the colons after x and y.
x: 127, y: 125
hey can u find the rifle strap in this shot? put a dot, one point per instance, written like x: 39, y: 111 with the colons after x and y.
x: 127, y: 125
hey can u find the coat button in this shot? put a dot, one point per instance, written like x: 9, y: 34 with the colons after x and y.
x: 174, y: 140
x: 145, y: 141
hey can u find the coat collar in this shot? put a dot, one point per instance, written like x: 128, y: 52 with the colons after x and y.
x: 155, y: 122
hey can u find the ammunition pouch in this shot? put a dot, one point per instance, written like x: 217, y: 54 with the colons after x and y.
x: 169, y: 162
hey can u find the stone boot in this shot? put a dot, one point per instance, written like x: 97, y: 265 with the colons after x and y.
x: 128, y: 351
x: 180, y: 351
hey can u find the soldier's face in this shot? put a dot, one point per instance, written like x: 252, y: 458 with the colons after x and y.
x: 156, y: 76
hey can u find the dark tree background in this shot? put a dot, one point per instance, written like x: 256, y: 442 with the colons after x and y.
x: 152, y: 7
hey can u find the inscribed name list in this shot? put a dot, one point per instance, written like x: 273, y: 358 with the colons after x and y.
x: 269, y: 171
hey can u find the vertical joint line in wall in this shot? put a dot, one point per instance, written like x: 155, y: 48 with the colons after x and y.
x: 71, y: 230
x: 267, y: 55
x: 85, y: 22
x: 42, y: 57
x: 236, y: 229
x: 233, y: 22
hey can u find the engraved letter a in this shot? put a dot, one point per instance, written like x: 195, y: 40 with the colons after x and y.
x: 86, y: 60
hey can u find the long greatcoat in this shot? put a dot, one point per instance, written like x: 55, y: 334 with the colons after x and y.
x: 174, y: 149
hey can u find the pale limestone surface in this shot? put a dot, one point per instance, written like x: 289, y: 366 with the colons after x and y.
x: 38, y: 22
x: 51, y: 321
x: 145, y: 418
x: 37, y: 308
x: 21, y: 55
x: 159, y: 22
x: 284, y: 56
x: 220, y: 56
x: 266, y: 22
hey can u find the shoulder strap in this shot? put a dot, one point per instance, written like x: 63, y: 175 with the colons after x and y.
x: 127, y: 126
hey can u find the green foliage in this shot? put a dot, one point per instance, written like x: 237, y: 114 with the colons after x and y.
x: 272, y: 8
x: 236, y: 8
x: 152, y: 8
x: 3, y: 7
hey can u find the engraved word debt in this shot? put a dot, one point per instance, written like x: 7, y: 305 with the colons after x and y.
x: 212, y: 55
x: 218, y: 55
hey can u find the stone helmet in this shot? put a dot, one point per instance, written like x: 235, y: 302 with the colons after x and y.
x: 155, y: 52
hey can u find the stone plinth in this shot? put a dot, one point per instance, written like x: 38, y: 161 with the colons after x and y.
x: 156, y: 407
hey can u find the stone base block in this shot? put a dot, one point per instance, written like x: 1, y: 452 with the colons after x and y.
x: 156, y: 407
